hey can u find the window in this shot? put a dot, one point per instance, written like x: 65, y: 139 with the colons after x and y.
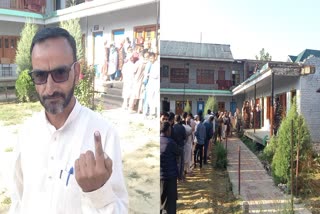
x: 164, y: 71
x: 205, y: 76
x: 6, y: 43
x: 13, y: 43
x: 179, y: 75
x: 235, y: 78
x: 221, y: 74
x: 0, y: 43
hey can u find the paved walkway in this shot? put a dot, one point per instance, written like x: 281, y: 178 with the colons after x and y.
x: 256, y: 186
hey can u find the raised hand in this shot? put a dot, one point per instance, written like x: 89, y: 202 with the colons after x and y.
x: 92, y: 172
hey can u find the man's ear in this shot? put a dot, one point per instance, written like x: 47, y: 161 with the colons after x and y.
x: 77, y: 72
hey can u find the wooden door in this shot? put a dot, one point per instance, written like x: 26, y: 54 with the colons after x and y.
x: 10, y: 47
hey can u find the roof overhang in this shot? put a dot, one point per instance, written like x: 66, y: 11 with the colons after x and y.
x: 20, y: 16
x: 93, y: 8
x: 279, y: 69
x: 196, y: 58
x: 179, y: 91
x: 86, y: 9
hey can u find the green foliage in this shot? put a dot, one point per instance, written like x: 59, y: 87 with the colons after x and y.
x: 264, y: 56
x: 282, y: 156
x: 73, y: 27
x: 23, y: 58
x: 211, y: 104
x: 269, y: 150
x: 84, y: 91
x: 249, y: 143
x: 25, y: 89
x: 187, y: 107
x: 221, y: 154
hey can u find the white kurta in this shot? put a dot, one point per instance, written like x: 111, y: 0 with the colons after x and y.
x: 43, y: 152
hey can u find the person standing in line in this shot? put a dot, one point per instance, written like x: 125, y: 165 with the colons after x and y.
x: 67, y: 158
x: 127, y: 78
x: 201, y: 137
x: 209, y: 134
x: 113, y: 62
x: 179, y: 136
x: 104, y: 72
x: 137, y: 91
x: 168, y: 170
x: 187, y: 147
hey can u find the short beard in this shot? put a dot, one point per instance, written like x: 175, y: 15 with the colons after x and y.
x: 56, y: 107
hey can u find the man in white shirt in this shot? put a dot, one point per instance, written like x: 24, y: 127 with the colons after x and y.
x: 68, y: 158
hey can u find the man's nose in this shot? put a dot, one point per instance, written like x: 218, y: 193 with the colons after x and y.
x: 50, y: 85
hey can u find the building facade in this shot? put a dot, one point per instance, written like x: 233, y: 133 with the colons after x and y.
x: 192, y: 72
x: 100, y: 21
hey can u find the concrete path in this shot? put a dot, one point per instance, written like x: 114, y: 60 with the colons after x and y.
x: 256, y: 186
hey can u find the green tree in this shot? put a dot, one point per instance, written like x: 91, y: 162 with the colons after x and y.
x: 84, y: 90
x: 211, y: 104
x: 187, y: 107
x: 282, y: 156
x: 23, y: 58
x: 25, y: 89
x: 264, y: 56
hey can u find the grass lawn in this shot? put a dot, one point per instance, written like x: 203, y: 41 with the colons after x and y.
x: 15, y: 113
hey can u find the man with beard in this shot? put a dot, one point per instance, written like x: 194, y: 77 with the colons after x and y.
x: 68, y: 158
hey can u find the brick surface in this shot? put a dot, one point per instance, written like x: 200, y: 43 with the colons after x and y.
x: 256, y: 186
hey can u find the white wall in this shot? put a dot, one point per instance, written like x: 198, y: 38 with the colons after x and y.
x: 310, y: 99
x: 10, y: 28
x: 125, y: 19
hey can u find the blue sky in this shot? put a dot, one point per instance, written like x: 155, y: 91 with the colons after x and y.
x: 282, y: 27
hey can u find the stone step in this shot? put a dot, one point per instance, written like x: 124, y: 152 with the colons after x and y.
x: 114, y: 91
x: 111, y: 99
x: 114, y: 84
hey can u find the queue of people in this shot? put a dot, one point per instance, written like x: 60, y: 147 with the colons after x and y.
x: 185, y: 146
x: 137, y: 66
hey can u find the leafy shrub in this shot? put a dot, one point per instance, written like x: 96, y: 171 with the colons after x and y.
x: 269, y: 150
x: 187, y: 108
x: 211, y: 104
x: 221, y: 154
x: 249, y: 143
x: 282, y: 156
x: 84, y: 90
x: 25, y: 89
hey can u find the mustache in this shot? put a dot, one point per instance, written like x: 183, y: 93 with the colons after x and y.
x: 54, y: 95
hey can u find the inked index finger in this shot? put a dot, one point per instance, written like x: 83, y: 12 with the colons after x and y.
x: 98, y: 146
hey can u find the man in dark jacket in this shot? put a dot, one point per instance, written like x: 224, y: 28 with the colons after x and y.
x: 179, y: 136
x: 168, y: 170
x: 209, y: 133
x: 201, y: 137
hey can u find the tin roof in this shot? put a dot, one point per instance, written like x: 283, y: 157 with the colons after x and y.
x: 192, y: 50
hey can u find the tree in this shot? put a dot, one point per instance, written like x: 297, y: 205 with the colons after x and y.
x: 23, y: 58
x: 25, y: 89
x: 264, y: 56
x: 211, y: 104
x: 282, y: 156
x: 187, y: 107
x: 84, y: 90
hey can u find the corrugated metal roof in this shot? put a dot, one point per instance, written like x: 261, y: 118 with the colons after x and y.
x: 305, y: 54
x: 191, y: 50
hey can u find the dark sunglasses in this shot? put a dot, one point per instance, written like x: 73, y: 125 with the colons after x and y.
x: 59, y: 75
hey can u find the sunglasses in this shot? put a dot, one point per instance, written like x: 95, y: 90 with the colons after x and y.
x: 59, y: 75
